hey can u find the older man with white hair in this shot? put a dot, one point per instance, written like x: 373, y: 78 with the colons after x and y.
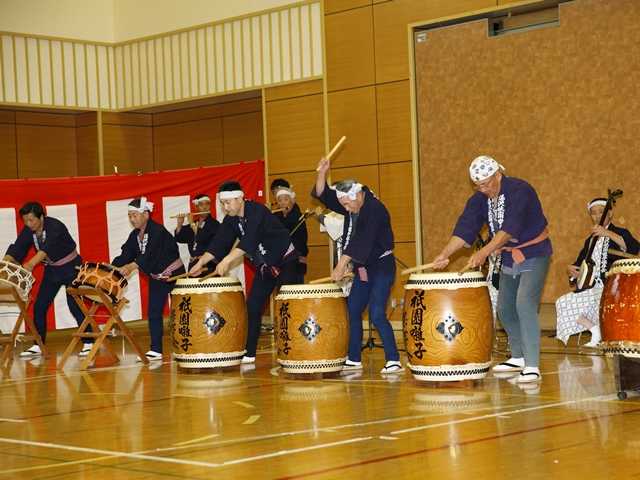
x: 512, y: 210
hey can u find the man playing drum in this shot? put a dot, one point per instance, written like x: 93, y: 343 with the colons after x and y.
x: 206, y: 228
x: 367, y: 244
x: 153, y: 250
x: 264, y: 240
x: 57, y: 250
x: 518, y: 228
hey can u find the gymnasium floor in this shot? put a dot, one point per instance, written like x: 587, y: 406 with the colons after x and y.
x: 133, y: 422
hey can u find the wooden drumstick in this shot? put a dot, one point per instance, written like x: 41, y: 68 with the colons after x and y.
x: 466, y: 268
x: 212, y: 274
x: 277, y: 210
x: 426, y: 266
x: 190, y: 213
x: 334, y: 150
x: 620, y: 253
x: 183, y: 275
x: 328, y: 279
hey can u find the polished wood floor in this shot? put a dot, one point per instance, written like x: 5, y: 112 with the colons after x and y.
x: 130, y: 422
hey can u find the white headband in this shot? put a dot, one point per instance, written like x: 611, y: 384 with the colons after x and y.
x: 596, y: 203
x: 483, y: 167
x: 231, y: 194
x: 144, y: 206
x: 285, y: 191
x: 196, y: 201
x: 353, y: 191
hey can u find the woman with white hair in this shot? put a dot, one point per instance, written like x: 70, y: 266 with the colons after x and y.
x: 512, y: 210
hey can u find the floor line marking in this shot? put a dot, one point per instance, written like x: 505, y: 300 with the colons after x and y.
x: 196, y: 440
x: 251, y: 420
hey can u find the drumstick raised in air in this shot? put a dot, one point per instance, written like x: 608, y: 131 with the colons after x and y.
x: 328, y: 279
x: 426, y: 266
x: 334, y: 150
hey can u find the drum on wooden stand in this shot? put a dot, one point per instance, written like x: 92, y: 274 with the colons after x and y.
x: 311, y: 328
x: 209, y: 322
x: 13, y: 275
x: 101, y: 276
x: 448, y: 326
x: 620, y: 309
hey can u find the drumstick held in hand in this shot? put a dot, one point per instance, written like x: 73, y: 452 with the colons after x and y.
x: 212, y: 274
x: 426, y: 266
x: 328, y: 279
x: 334, y: 150
x: 183, y: 275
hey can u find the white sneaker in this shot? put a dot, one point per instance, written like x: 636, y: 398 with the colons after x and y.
x: 151, y: 355
x: 247, y: 360
x: 511, y: 365
x: 86, y: 348
x: 351, y: 365
x: 529, y: 375
x: 392, y: 366
x: 34, y: 351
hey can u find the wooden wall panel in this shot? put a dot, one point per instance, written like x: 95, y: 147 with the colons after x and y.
x: 353, y: 113
x: 391, y: 20
x: 394, y: 121
x: 8, y: 161
x: 561, y: 148
x: 318, y: 263
x: 333, y: 6
x: 349, y: 52
x: 127, y: 118
x: 242, y: 138
x: 396, y: 192
x: 186, y: 145
x: 87, y: 141
x: 367, y: 175
x: 181, y: 115
x: 46, y: 119
x: 46, y: 151
x: 293, y: 90
x: 128, y: 147
x: 302, y: 183
x: 295, y: 134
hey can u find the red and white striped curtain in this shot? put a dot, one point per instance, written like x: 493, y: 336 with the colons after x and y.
x: 94, y: 209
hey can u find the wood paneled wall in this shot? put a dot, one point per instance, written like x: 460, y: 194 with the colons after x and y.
x: 37, y: 144
x: 210, y: 135
x: 87, y: 144
x: 547, y: 112
x: 295, y: 142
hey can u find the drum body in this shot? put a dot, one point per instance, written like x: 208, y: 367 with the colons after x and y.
x: 13, y: 275
x: 101, y: 276
x: 448, y: 326
x: 209, y: 322
x: 620, y: 309
x: 311, y: 328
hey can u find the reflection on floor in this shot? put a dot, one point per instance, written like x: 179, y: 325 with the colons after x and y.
x: 128, y: 421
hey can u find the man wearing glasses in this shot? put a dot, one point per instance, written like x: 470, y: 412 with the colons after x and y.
x: 510, y: 207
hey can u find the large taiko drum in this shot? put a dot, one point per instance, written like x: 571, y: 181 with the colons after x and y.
x: 13, y: 275
x: 448, y: 326
x: 620, y: 309
x: 101, y: 276
x: 209, y: 322
x: 311, y: 328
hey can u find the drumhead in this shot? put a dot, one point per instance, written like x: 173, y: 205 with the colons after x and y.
x: 15, y: 275
x: 308, y: 290
x: 627, y: 266
x: 186, y: 286
x: 105, y: 267
x: 445, y: 280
